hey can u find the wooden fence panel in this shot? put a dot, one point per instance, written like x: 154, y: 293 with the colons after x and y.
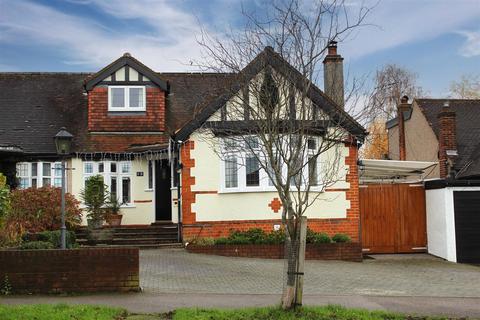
x: 393, y: 218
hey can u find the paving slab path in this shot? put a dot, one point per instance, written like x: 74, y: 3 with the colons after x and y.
x: 177, y: 271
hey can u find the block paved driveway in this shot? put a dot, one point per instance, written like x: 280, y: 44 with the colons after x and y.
x: 177, y: 271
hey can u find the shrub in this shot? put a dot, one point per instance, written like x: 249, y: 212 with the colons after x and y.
x: 275, y: 237
x: 54, y: 237
x: 221, y: 241
x: 321, y: 237
x: 94, y: 196
x: 4, y: 197
x: 340, y: 237
x: 203, y: 241
x: 38, y: 209
x: 36, y: 245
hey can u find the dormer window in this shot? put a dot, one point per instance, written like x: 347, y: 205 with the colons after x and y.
x: 126, y: 98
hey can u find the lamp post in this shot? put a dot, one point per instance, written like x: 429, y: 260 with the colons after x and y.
x: 63, y: 143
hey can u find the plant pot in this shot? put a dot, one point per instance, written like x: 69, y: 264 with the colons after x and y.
x: 95, y: 223
x: 114, y: 220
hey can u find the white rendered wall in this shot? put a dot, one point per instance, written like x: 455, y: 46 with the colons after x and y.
x: 213, y: 205
x: 142, y: 208
x: 441, y: 223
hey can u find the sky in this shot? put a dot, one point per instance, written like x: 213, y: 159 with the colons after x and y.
x: 439, y: 40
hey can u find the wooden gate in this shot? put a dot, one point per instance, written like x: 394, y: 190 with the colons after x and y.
x: 393, y: 218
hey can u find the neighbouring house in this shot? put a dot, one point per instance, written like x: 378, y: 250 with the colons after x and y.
x: 445, y: 131
x: 143, y: 131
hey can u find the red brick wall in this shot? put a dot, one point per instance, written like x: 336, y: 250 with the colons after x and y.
x: 99, y: 119
x: 447, y: 139
x: 78, y: 270
x: 325, y: 251
x: 191, y: 229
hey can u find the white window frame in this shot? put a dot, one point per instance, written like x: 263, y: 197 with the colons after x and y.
x: 126, y: 97
x: 40, y: 174
x: 264, y: 185
x: 108, y: 175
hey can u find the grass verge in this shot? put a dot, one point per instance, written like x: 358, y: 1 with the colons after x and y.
x: 305, y: 313
x: 60, y: 312
x: 88, y: 312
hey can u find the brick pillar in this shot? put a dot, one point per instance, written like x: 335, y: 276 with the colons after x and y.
x: 447, y: 141
x: 402, y: 108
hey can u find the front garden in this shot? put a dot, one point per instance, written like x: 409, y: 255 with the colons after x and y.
x: 256, y: 243
x: 84, y: 312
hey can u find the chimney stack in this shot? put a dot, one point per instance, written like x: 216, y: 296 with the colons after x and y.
x: 447, y: 140
x: 333, y: 75
x: 403, y: 107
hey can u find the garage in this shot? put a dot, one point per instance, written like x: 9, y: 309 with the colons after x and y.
x: 467, y: 225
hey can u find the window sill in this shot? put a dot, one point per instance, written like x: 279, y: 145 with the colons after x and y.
x: 260, y: 190
x: 148, y: 190
x: 127, y: 112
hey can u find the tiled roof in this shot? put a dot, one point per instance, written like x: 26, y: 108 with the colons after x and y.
x: 34, y: 106
x: 468, y: 130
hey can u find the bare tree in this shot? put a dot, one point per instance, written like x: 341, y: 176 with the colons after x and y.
x: 468, y: 87
x: 275, y: 124
x: 391, y: 83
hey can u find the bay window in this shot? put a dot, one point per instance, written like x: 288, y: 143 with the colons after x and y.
x: 39, y: 174
x: 242, y: 171
x: 116, y: 176
x: 126, y: 98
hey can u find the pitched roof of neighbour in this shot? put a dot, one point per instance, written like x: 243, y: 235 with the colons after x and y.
x: 467, y: 113
x: 34, y: 106
x: 269, y: 57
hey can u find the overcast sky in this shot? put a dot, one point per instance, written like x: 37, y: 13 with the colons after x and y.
x: 437, y: 39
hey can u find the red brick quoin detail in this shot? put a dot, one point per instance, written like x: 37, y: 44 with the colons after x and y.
x: 99, y: 119
x: 276, y: 205
x: 192, y: 229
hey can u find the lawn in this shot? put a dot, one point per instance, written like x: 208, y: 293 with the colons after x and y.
x: 84, y: 312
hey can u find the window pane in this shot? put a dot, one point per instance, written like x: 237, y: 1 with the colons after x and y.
x: 22, y: 169
x: 312, y: 144
x: 47, y: 169
x: 113, y: 167
x: 34, y: 182
x: 118, y: 97
x: 150, y: 174
x: 252, y: 171
x: 34, y: 169
x: 251, y: 142
x: 58, y: 169
x: 271, y: 174
x: 100, y: 167
x: 46, y: 181
x: 231, y: 179
x: 88, y: 167
x: 57, y: 182
x: 136, y: 98
x: 312, y: 171
x: 23, y: 183
x: 296, y: 180
x: 125, y: 167
x: 113, y: 187
x: 125, y: 190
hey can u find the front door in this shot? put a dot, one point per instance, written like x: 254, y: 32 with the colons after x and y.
x: 163, y: 198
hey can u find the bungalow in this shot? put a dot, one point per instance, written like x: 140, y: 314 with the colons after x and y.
x: 144, y: 132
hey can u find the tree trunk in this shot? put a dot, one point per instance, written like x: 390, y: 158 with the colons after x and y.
x: 291, y: 251
x: 301, y: 261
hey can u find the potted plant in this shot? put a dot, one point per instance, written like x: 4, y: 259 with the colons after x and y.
x: 114, y: 217
x: 94, y: 196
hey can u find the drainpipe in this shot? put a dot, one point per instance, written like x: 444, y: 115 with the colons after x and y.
x: 179, y: 193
